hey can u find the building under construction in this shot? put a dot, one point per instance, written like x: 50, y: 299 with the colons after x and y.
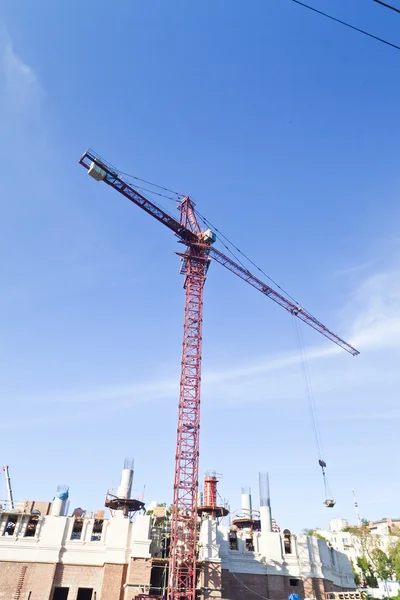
x: 123, y: 553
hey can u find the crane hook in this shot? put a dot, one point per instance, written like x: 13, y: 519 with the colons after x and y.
x: 329, y: 502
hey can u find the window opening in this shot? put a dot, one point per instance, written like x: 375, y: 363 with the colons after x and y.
x: 11, y: 524
x: 97, y: 530
x: 287, y: 541
x: 233, y: 541
x: 249, y: 545
x: 294, y: 582
x: 31, y: 526
x: 159, y: 579
x: 84, y: 594
x: 60, y: 593
x: 77, y: 529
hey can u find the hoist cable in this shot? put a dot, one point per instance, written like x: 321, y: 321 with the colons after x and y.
x: 308, y: 389
x: 311, y: 405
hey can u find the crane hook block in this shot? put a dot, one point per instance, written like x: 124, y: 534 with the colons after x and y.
x: 97, y: 172
x: 330, y: 503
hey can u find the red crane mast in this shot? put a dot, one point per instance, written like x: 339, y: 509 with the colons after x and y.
x: 195, y: 262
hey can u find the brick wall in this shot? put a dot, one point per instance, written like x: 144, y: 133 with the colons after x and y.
x: 211, y: 580
x: 76, y: 576
x: 275, y: 587
x: 138, y: 577
x: 314, y: 587
x: 114, y: 577
x: 233, y: 589
x: 36, y: 578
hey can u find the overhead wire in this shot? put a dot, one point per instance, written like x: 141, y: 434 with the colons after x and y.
x: 371, y: 35
x: 247, y: 588
x: 388, y: 6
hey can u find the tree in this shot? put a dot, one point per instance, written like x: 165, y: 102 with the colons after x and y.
x: 315, y: 533
x: 357, y: 578
x: 361, y: 531
x: 383, y: 564
x: 394, y: 554
x: 367, y: 570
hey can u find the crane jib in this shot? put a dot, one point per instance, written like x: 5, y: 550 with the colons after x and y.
x: 110, y: 175
x: 295, y: 310
x: 112, y: 178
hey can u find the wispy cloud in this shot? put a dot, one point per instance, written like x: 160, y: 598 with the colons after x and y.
x: 23, y: 96
x: 355, y: 269
x: 376, y: 308
x: 374, y: 317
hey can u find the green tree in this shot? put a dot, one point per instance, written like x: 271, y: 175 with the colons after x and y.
x: 394, y: 554
x: 383, y: 564
x: 367, y: 570
x: 356, y: 574
x: 315, y: 533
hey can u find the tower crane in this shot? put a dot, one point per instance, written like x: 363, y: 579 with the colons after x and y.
x: 8, y: 485
x: 198, y: 253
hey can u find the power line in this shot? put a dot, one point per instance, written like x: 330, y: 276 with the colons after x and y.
x: 388, y: 6
x: 247, y: 588
x: 375, y: 37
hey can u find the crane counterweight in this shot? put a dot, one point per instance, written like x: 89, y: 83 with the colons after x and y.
x: 97, y: 172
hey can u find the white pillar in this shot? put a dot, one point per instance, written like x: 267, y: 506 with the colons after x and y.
x: 58, y: 507
x: 266, y: 519
x: 125, y: 486
x: 208, y: 540
x: 246, y: 505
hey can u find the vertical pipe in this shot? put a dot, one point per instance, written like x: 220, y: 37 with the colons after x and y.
x: 265, y: 499
x: 58, y: 507
x: 265, y: 503
x: 210, y: 489
x: 125, y: 486
x: 246, y: 503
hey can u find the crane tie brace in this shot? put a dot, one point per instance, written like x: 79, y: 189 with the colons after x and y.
x: 199, y: 252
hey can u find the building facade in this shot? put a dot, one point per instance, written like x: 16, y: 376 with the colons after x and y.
x: 86, y: 556
x: 355, y: 543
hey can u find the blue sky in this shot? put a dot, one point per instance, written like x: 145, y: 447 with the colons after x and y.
x: 284, y: 128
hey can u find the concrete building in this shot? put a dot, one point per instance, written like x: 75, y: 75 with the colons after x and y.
x: 46, y: 555
x: 382, y: 534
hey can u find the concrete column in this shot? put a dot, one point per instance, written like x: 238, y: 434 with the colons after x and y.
x: 246, y: 505
x: 208, y: 540
x: 266, y: 519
